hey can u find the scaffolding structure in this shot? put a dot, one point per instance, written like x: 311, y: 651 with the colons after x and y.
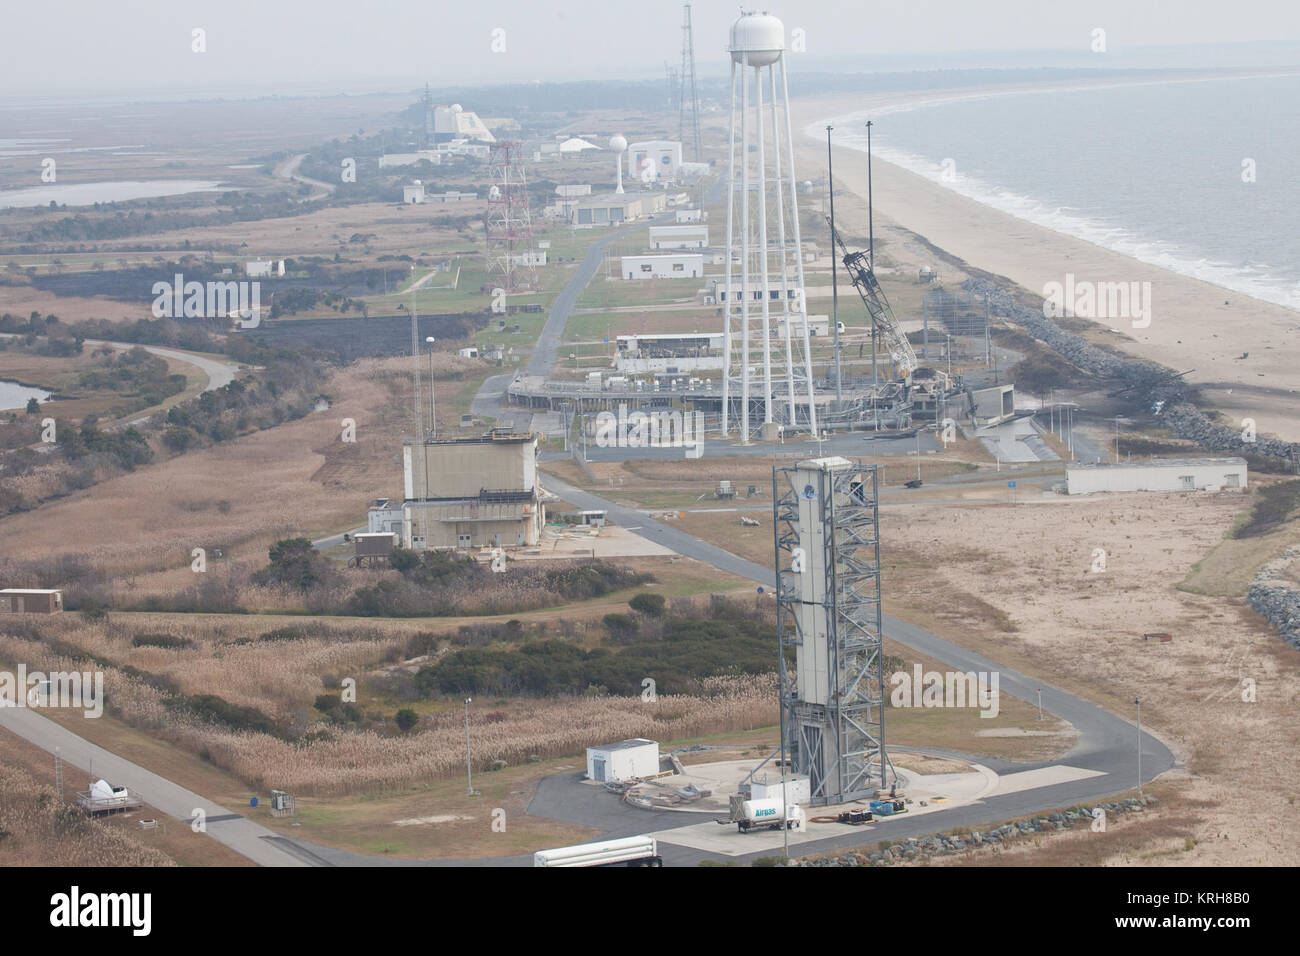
x: 827, y: 542
x: 509, y: 226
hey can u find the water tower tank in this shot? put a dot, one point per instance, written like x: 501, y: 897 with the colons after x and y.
x: 758, y: 37
x: 618, y: 143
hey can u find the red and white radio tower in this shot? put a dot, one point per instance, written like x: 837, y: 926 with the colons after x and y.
x: 509, y: 228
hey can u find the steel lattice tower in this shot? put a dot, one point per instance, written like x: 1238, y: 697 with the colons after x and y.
x: 688, y: 99
x: 827, y: 540
x: 508, y: 225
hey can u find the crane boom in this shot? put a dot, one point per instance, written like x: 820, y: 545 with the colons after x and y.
x: 873, y: 297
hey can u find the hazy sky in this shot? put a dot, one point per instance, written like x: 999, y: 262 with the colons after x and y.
x: 349, y: 45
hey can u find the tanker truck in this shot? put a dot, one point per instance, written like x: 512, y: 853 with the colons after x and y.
x: 763, y: 815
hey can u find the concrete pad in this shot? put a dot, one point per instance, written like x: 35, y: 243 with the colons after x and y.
x: 1042, y: 777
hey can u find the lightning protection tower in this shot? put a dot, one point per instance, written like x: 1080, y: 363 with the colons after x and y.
x: 509, y: 227
x: 827, y: 538
x: 757, y: 59
x: 688, y: 96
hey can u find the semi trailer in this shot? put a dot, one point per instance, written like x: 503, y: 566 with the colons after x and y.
x: 628, y: 851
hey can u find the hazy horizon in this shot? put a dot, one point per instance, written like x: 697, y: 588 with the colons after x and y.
x: 332, y: 46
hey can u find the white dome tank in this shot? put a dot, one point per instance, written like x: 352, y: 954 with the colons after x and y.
x: 618, y: 143
x: 760, y: 35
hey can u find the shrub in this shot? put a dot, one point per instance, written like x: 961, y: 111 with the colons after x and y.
x: 622, y: 628
x: 405, y: 719
x: 162, y: 640
x: 651, y: 605
x: 327, y: 703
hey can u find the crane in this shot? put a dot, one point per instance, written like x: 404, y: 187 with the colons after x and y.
x: 882, y: 316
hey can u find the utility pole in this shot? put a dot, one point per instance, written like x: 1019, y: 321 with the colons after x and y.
x: 835, y: 293
x: 433, y: 408
x: 871, y: 227
x: 871, y: 260
x: 469, y: 774
x: 1138, y: 701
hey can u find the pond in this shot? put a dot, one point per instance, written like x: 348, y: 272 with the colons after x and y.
x: 13, y: 395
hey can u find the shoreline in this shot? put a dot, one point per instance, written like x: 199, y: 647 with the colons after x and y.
x: 1199, y: 326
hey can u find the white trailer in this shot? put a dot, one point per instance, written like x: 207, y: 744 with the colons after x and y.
x: 629, y: 851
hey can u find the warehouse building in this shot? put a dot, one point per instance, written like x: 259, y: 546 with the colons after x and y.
x: 682, y: 265
x: 605, y: 210
x: 625, y: 760
x: 1158, y: 474
x: 679, y: 237
x: 690, y: 215
x: 471, y: 493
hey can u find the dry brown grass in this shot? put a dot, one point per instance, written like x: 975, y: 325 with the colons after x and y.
x: 298, y: 479
x: 36, y: 830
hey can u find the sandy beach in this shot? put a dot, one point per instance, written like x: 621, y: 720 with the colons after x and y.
x: 1195, y: 325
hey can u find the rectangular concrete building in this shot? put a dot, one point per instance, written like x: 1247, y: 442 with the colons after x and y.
x: 679, y: 237
x: 682, y: 265
x: 1158, y: 474
x: 625, y: 760
x: 472, y: 493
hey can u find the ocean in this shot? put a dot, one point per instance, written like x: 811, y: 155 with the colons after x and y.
x: 1156, y: 170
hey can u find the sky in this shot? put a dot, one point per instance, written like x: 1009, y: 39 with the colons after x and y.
x: 67, y: 46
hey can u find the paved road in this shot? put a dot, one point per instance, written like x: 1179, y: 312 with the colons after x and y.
x: 288, y: 169
x: 242, y: 835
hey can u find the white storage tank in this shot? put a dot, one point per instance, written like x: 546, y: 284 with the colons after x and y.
x: 625, y: 760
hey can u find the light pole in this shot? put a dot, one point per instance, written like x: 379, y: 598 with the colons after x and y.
x: 1138, y: 701
x: 469, y: 775
x: 1040, y: 703
x: 433, y: 411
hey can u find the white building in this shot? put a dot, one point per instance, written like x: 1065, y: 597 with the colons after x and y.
x: 572, y: 190
x: 682, y: 265
x: 452, y: 123
x: 670, y: 353
x: 690, y: 171
x: 532, y: 257
x: 1158, y: 474
x: 576, y: 145
x: 690, y: 215
x: 679, y: 237
x: 661, y: 157
x: 264, y: 268
x: 413, y: 193
x: 718, y: 290
x: 625, y: 760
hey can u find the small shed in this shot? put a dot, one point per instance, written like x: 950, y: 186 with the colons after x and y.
x: 377, y: 545
x: 592, y: 518
x: 625, y: 760
x: 31, y: 601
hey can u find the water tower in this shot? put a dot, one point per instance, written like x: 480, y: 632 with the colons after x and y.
x: 757, y: 58
x: 618, y: 143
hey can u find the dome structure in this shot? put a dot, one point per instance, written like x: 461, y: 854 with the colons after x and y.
x: 618, y: 143
x: 757, y: 38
